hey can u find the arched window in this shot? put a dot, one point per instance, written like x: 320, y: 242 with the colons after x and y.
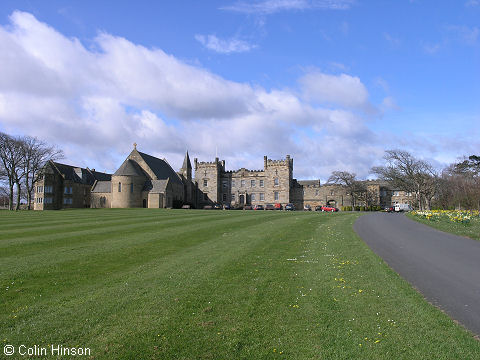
x: 119, y: 187
x: 131, y: 187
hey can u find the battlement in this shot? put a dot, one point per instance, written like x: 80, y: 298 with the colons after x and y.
x: 269, y: 162
x: 243, y: 170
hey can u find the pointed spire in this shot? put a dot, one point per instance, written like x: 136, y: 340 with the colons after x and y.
x: 186, y: 162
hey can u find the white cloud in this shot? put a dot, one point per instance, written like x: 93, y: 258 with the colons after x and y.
x: 229, y: 46
x: 466, y: 34
x: 472, y: 3
x: 342, y: 90
x: 266, y: 7
x: 95, y: 102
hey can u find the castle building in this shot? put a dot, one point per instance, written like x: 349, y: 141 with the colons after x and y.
x: 146, y: 181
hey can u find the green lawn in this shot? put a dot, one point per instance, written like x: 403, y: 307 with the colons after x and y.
x: 194, y: 284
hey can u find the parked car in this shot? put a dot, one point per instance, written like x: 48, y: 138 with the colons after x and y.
x: 226, y: 207
x: 207, y: 207
x: 269, y: 207
x: 329, y: 208
x: 278, y: 206
x: 318, y: 208
x: 186, y: 206
x: 402, y: 207
x: 289, y: 207
x: 217, y: 206
x: 248, y: 207
x: 307, y: 207
x: 390, y: 209
x: 258, y: 207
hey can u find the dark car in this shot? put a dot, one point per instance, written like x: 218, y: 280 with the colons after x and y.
x: 258, y: 207
x: 226, y: 207
x: 248, y: 207
x: 307, y: 207
x: 390, y: 209
x: 289, y: 207
x: 278, y: 206
x: 269, y: 207
x: 217, y: 206
x: 318, y: 208
x: 329, y: 208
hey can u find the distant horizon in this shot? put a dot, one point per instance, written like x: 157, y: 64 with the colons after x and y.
x: 332, y: 83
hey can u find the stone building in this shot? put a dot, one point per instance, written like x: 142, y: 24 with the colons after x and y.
x: 145, y: 181
x: 237, y: 188
x: 60, y: 186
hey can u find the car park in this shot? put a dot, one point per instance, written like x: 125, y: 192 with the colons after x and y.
x: 258, y: 207
x: 269, y: 207
x: 289, y: 207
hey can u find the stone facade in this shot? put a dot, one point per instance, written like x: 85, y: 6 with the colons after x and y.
x: 146, y: 181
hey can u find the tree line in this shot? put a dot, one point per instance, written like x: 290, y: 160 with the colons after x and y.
x: 455, y: 187
x: 21, y: 158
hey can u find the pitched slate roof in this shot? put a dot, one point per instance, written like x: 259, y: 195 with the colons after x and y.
x: 161, y: 168
x: 102, y: 187
x: 78, y: 174
x: 129, y: 168
x: 156, y: 186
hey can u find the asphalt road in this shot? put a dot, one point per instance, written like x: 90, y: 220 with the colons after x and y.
x: 445, y: 268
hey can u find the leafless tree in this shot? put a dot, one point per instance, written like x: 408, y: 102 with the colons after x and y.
x: 10, y: 156
x: 35, y: 153
x: 405, y: 172
x: 348, y: 180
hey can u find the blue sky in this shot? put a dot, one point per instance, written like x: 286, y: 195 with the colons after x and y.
x: 333, y: 83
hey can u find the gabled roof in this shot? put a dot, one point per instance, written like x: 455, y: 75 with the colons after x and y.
x: 161, y: 168
x: 156, y: 186
x: 102, y: 187
x: 79, y: 175
x: 129, y: 168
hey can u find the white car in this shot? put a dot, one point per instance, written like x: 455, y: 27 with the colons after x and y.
x: 402, y: 207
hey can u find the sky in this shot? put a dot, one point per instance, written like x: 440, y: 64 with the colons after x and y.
x: 333, y: 83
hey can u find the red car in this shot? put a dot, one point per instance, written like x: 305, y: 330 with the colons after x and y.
x: 278, y: 206
x: 329, y: 208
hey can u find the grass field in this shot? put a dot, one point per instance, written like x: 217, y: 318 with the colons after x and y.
x: 451, y: 221
x: 186, y: 284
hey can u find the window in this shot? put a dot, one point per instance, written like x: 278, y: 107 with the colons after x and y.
x: 408, y: 194
x: 131, y: 187
x: 119, y: 187
x: 48, y: 200
x: 332, y: 193
x: 39, y: 189
x: 276, y: 197
x: 275, y: 181
x: 48, y: 189
x: 252, y: 197
x: 205, y: 182
x: 233, y: 197
x: 39, y: 200
x: 224, y: 197
x: 67, y: 201
x: 252, y: 183
x: 68, y: 190
x: 316, y: 192
x: 396, y: 193
x: 233, y: 183
x: 225, y: 184
x: 262, y: 197
x: 261, y: 183
x: 242, y: 183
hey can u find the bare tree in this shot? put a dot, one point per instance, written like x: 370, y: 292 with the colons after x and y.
x: 10, y: 156
x: 348, y: 180
x: 35, y: 153
x: 405, y: 172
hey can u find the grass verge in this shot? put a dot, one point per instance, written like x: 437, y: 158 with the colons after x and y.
x: 186, y: 284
